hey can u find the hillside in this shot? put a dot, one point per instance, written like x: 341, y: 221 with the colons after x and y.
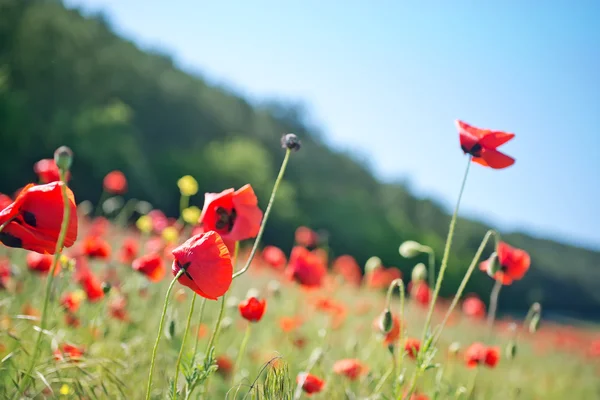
x: 69, y: 79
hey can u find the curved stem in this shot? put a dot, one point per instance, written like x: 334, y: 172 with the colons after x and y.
x: 43, y: 320
x: 446, y: 255
x: 160, y: 331
x: 238, y: 361
x: 101, y: 200
x: 464, y: 282
x: 4, y: 224
x: 266, y: 216
x: 493, y: 307
x: 199, y: 325
x: 187, y: 328
x: 213, y: 338
x: 184, y: 202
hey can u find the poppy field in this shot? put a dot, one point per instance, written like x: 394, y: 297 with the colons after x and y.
x: 95, y: 303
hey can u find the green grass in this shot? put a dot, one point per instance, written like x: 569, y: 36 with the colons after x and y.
x: 117, y: 358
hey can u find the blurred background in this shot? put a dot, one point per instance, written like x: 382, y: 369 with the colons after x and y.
x: 163, y: 89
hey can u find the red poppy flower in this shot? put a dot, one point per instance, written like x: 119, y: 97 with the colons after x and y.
x: 288, y: 324
x: 348, y: 268
x: 5, y: 201
x: 306, y: 237
x: 207, y: 265
x: 306, y: 268
x: 474, y: 307
x: 478, y: 354
x: 88, y: 281
x: 150, y: 265
x: 350, y: 367
x: 96, y: 247
x: 420, y: 291
x: 274, y: 256
x: 224, y: 365
x: 115, y: 182
x: 233, y: 214
x: 482, y: 145
x: 412, y: 347
x: 99, y: 227
x: 381, y: 277
x: 252, y: 309
x: 41, y: 263
x: 513, y: 262
x: 68, y: 352
x: 34, y: 219
x: 5, y: 272
x: 72, y: 320
x: 117, y: 308
x: 312, y: 384
x: 71, y: 301
x: 47, y: 171
x: 159, y: 220
x: 129, y: 250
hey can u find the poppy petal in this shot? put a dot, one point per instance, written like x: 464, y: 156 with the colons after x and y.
x: 495, y: 159
x: 495, y: 139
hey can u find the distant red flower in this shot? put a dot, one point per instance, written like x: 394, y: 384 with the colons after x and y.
x: 305, y: 268
x: 117, y: 308
x: 159, y: 220
x: 96, y: 247
x: 47, y: 171
x: 207, y: 265
x: 5, y: 201
x: 288, y: 324
x: 233, y: 214
x: 151, y: 265
x: 99, y: 227
x: 306, y: 237
x: 348, y: 268
x: 412, y: 347
x: 68, y: 352
x: 350, y: 367
x: 5, y: 272
x: 129, y: 250
x: 41, y: 263
x: 474, y: 307
x: 115, y: 182
x: 478, y: 354
x: 225, y: 366
x: 482, y: 145
x: 274, y: 257
x: 513, y: 262
x: 312, y: 384
x: 34, y: 219
x: 71, y: 301
x: 381, y: 277
x: 420, y: 291
x: 72, y: 320
x: 88, y: 281
x: 252, y: 309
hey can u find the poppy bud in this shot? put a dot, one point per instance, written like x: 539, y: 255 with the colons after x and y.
x: 410, y: 249
x: 386, y: 321
x: 391, y: 348
x: 63, y: 158
x: 252, y: 292
x: 511, y: 350
x: 143, y: 207
x: 419, y: 272
x: 372, y: 264
x: 188, y: 186
x: 191, y: 215
x: 493, y: 265
x: 232, y: 302
x: 534, y: 324
x: 454, y: 348
x: 290, y: 141
x: 85, y: 207
x: 401, y: 379
x: 171, y: 330
x: 170, y: 234
x: 274, y: 288
x: 226, y: 323
x: 106, y: 287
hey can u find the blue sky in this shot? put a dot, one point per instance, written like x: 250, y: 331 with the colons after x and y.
x: 387, y: 79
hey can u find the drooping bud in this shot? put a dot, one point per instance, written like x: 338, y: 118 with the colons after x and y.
x: 391, y: 348
x: 85, y: 207
x: 386, y: 321
x: 253, y: 292
x: 419, y: 273
x: 171, y: 330
x: 232, y: 302
x: 372, y: 264
x: 112, y: 204
x: 410, y: 249
x: 63, y: 158
x: 106, y: 286
x: 290, y: 141
x: 534, y: 324
x: 226, y: 323
x: 493, y: 265
x: 143, y: 207
x: 511, y: 350
x: 274, y: 288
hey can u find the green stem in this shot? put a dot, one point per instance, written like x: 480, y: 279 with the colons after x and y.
x: 213, y: 338
x: 266, y: 216
x: 446, y: 255
x: 187, y: 328
x: 431, y: 266
x: 184, y: 202
x: 160, y: 332
x: 126, y: 212
x: 103, y: 197
x: 198, y: 333
x: 57, y: 251
x: 464, y: 282
x: 493, y: 307
x: 4, y: 224
x: 238, y: 361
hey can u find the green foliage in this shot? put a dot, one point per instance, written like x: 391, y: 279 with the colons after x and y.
x: 67, y: 79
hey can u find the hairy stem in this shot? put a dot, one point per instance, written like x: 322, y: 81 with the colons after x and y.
x: 187, y: 328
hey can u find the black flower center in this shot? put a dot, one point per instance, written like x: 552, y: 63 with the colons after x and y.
x: 475, y: 150
x: 11, y: 241
x: 184, y: 267
x: 226, y: 219
x: 29, y: 218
